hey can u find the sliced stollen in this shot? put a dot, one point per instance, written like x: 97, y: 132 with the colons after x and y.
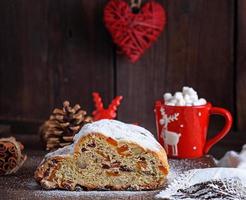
x: 106, y: 154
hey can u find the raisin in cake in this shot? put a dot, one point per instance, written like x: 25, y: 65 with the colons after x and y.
x: 106, y: 154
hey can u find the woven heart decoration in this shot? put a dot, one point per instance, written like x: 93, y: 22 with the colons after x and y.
x: 134, y: 32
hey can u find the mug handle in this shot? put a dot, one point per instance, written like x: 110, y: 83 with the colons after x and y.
x: 228, y: 123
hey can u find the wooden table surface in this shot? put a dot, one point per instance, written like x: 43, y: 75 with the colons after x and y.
x: 23, y: 186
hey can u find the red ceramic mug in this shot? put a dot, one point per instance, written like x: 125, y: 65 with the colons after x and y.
x: 182, y: 130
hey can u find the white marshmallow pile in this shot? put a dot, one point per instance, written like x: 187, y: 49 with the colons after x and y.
x: 188, y: 97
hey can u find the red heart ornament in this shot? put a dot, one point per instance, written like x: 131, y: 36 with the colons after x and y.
x: 134, y: 32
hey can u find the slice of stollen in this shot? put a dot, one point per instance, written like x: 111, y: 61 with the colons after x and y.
x: 106, y: 154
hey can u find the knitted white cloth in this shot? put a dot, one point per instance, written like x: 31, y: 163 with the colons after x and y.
x: 234, y: 159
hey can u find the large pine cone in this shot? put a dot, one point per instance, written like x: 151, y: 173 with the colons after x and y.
x: 63, y: 124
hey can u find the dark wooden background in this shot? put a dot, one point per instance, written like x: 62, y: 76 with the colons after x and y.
x: 56, y: 50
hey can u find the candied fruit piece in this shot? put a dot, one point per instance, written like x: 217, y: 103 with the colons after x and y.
x: 141, y: 165
x: 112, y: 141
x: 163, y: 169
x: 122, y: 149
x: 112, y: 173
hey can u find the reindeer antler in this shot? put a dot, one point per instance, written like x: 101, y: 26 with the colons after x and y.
x: 115, y: 103
x: 173, y: 117
x: 163, y: 114
x: 101, y: 112
x: 97, y: 101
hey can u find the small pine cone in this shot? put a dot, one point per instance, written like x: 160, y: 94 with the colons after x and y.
x: 11, y: 157
x: 62, y: 125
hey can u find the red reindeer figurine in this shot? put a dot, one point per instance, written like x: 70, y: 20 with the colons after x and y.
x: 101, y: 112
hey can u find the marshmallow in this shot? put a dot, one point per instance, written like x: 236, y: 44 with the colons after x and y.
x: 185, y: 89
x: 191, y: 91
x: 178, y: 95
x: 194, y: 97
x: 188, y: 97
x: 180, y: 102
x: 202, y: 101
x: 173, y: 100
x: 196, y: 103
x: 167, y: 96
x: 170, y: 104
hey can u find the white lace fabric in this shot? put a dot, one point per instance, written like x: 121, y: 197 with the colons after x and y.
x: 234, y: 159
x: 209, y: 183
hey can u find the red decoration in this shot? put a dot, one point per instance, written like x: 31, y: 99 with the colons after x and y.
x: 101, y: 112
x: 134, y: 32
x: 182, y: 130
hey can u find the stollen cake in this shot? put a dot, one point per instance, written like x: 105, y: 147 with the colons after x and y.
x: 106, y: 155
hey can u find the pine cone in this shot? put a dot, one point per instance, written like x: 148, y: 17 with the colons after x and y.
x: 63, y: 124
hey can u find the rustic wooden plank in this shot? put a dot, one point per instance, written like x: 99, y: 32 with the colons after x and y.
x: 24, y: 75
x: 52, y: 51
x: 80, y: 52
x: 241, y: 66
x: 195, y: 50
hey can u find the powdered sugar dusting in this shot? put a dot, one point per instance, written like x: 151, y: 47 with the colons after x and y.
x: 179, y: 166
x: 61, y: 151
x: 92, y: 194
x: 116, y: 130
x: 121, y: 132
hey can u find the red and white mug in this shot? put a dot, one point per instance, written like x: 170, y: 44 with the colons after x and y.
x: 182, y: 130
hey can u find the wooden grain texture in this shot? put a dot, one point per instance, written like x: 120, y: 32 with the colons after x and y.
x: 241, y: 66
x: 142, y: 83
x: 80, y: 52
x: 195, y: 49
x: 56, y: 50
x: 52, y: 51
x: 24, y: 74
